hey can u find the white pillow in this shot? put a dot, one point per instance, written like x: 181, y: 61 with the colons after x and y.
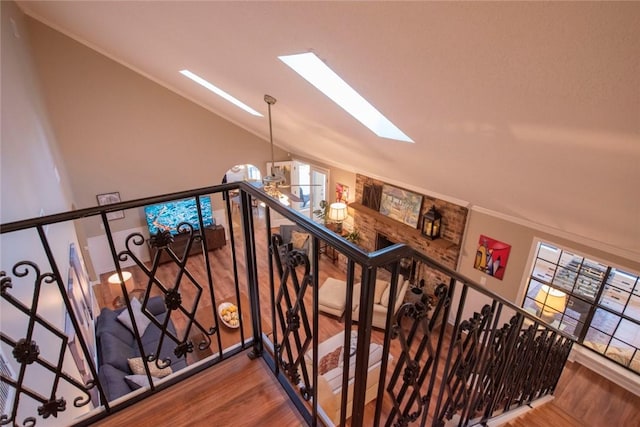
x: 136, y: 364
x: 142, y: 321
x: 382, y: 287
x: 384, y: 299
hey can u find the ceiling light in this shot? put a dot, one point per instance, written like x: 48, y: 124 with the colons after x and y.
x: 196, y: 78
x: 316, y: 72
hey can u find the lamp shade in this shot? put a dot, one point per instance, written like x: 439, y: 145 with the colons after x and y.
x: 337, y: 212
x: 551, y: 300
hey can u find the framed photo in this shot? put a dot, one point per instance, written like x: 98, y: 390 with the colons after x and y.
x: 108, y: 199
x: 401, y: 205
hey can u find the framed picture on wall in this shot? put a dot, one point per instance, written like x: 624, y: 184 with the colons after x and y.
x: 371, y: 195
x: 401, y: 205
x: 491, y: 257
x: 109, y: 199
x: 342, y: 193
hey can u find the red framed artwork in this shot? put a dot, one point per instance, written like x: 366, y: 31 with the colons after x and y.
x: 342, y: 193
x: 492, y: 257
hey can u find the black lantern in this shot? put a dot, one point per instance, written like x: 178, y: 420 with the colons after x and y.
x: 431, y: 223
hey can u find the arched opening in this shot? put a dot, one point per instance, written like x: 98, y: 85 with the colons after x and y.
x: 242, y: 172
x: 245, y: 172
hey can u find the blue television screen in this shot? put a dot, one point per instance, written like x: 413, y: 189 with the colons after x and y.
x: 167, y: 216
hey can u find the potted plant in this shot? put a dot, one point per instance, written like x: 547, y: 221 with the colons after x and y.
x: 322, y: 212
x: 353, y: 236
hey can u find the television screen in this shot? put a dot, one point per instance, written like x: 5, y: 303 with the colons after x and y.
x: 168, y: 215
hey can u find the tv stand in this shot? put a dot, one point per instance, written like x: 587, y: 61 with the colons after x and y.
x: 215, y: 240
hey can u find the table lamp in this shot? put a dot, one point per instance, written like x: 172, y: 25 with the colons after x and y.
x: 550, y: 301
x: 337, y: 214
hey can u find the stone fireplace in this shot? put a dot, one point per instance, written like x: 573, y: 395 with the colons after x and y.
x: 377, y: 231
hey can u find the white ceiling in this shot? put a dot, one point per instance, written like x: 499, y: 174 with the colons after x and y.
x: 530, y: 110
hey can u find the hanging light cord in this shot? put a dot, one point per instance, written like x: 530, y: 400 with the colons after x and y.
x: 270, y: 100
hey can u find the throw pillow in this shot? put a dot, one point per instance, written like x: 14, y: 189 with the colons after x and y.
x: 136, y: 364
x: 299, y: 239
x: 384, y: 299
x: 329, y: 361
x: 142, y: 321
x: 137, y: 381
x: 381, y: 287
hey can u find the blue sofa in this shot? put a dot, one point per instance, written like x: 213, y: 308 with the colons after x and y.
x: 116, y: 345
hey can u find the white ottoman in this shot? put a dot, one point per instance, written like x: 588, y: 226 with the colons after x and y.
x: 332, y: 297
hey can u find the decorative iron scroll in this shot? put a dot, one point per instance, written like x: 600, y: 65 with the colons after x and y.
x: 292, y: 315
x: 465, y: 364
x: 496, y: 370
x: 27, y: 352
x: 161, y: 242
x: 411, y: 384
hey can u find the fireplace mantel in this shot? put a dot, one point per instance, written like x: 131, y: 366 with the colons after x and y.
x: 440, y: 243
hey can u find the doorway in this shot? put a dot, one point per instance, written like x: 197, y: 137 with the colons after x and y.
x: 310, y: 184
x: 318, y: 190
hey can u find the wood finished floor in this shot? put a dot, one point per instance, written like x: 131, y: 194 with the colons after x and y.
x: 237, y: 392
x: 241, y: 386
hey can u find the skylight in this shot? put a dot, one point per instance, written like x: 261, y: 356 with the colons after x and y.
x: 316, y: 72
x: 196, y: 78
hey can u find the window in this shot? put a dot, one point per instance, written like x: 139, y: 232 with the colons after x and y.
x: 7, y: 391
x: 598, y: 304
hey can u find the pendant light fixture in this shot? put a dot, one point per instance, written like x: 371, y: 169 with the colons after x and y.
x: 272, y: 179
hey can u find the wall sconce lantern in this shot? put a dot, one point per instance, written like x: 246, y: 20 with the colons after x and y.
x: 432, y: 223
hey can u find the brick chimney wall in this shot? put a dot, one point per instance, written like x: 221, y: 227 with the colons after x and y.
x: 446, y: 249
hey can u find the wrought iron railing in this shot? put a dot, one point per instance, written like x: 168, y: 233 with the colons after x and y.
x: 434, y: 360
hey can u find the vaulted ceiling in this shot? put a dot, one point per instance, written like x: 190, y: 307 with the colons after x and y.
x: 529, y: 110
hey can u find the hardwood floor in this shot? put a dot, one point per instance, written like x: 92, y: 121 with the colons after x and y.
x: 237, y: 392
x: 584, y: 398
x: 594, y: 400
x: 219, y: 394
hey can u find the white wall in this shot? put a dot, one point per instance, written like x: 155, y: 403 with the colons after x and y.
x: 32, y: 182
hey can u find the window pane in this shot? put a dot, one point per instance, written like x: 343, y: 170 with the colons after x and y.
x: 543, y: 270
x: 622, y: 280
x: 633, y: 308
x: 534, y: 288
x: 597, y: 340
x: 587, y: 287
x: 614, y: 298
x: 565, y: 279
x: 605, y: 321
x: 571, y: 326
x: 593, y: 269
x: 549, y: 253
x: 571, y: 261
x: 620, y: 352
x: 628, y: 332
x: 531, y: 306
x: 577, y: 309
